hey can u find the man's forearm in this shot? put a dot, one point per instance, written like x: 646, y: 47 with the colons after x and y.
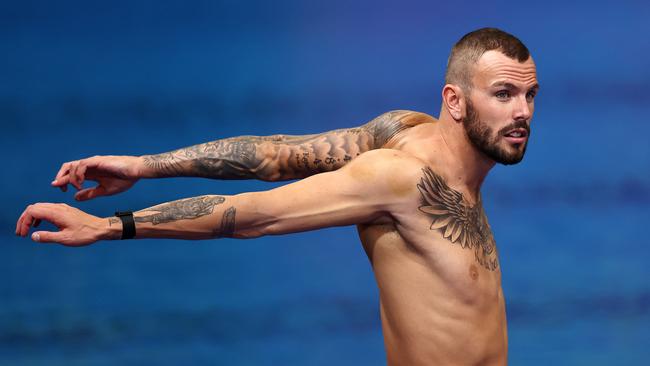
x: 278, y: 157
x: 201, y: 217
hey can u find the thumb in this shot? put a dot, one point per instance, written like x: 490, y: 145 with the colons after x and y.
x: 89, y: 193
x: 47, y: 237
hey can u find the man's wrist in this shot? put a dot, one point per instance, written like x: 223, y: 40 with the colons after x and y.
x: 142, y: 169
x: 112, y: 228
x: 128, y: 224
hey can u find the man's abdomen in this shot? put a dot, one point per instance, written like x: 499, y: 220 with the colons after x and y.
x: 437, y: 305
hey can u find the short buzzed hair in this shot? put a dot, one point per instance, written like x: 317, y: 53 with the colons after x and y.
x: 469, y: 49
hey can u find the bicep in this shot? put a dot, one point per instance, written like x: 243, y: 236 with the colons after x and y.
x: 343, y: 197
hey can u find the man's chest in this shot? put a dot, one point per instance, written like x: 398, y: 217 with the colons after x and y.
x: 428, y: 260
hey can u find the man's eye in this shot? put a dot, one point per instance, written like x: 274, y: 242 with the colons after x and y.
x: 503, y: 94
x: 530, y: 96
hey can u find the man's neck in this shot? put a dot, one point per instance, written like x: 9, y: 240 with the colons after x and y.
x: 465, y: 164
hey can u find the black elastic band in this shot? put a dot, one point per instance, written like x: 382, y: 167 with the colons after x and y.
x: 128, y: 224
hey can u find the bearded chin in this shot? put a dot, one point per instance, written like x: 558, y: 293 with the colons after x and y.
x: 481, y: 136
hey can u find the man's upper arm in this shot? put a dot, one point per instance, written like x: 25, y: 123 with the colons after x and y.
x: 290, y: 157
x: 360, y: 192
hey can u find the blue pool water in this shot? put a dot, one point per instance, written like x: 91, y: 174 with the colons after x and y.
x: 571, y: 221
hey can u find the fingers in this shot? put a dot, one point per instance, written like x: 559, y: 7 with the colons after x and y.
x: 73, y: 172
x: 88, y: 193
x: 25, y: 221
x: 48, y: 236
x: 63, y: 170
x: 61, y: 179
x: 33, y: 215
x: 80, y: 173
x: 76, y: 228
x: 62, y: 183
x: 19, y: 223
x: 74, y: 177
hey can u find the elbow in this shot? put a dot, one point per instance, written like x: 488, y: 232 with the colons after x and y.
x: 269, y: 177
x: 270, y: 226
x: 259, y: 226
x: 250, y: 219
x: 248, y: 234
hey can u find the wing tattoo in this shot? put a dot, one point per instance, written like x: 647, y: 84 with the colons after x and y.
x: 456, y: 220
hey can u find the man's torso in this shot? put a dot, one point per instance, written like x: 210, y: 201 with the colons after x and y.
x: 436, y: 266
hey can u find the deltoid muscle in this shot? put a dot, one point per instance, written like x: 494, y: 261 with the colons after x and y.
x: 456, y: 220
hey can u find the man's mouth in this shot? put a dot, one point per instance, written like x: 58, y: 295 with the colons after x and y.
x: 517, y: 135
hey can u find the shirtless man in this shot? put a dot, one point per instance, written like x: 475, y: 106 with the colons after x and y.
x: 415, y: 199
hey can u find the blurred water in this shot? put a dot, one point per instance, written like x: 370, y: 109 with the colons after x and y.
x: 135, y: 78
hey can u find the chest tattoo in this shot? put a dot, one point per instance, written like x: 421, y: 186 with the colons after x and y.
x: 456, y: 220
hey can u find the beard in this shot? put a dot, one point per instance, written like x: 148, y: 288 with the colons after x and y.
x: 486, y: 141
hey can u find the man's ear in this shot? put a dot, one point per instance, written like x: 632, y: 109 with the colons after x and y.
x: 454, y: 100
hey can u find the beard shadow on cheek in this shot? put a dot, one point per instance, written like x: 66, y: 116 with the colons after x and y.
x: 486, y: 141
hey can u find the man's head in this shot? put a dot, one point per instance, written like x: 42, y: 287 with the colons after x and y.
x: 491, y: 84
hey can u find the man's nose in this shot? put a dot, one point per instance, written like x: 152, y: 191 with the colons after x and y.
x: 522, y: 109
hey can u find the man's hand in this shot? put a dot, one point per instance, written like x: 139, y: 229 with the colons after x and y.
x: 114, y: 174
x: 77, y: 228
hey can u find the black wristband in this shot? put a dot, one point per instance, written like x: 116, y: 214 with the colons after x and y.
x: 128, y: 224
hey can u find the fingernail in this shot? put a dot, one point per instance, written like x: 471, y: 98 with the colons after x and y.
x: 53, y: 182
x: 36, y: 237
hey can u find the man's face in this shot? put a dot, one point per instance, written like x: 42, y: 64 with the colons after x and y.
x: 500, y: 106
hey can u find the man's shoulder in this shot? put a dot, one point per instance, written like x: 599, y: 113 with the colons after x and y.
x: 406, y: 116
x: 387, y: 127
x: 398, y: 168
x: 413, y: 118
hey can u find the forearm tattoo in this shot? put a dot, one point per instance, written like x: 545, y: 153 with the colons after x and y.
x: 456, y: 220
x: 280, y: 157
x: 233, y: 158
x: 185, y: 209
x: 227, y: 228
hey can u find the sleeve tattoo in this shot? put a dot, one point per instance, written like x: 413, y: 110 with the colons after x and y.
x: 279, y: 157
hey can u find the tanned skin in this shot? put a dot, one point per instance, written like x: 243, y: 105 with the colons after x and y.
x: 416, y: 204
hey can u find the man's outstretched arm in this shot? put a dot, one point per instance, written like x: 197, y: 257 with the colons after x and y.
x: 364, y: 190
x: 269, y: 158
x: 278, y: 157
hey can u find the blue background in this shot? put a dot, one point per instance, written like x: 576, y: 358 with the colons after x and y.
x: 88, y: 78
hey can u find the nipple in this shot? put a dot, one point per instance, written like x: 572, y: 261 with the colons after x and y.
x: 473, y: 272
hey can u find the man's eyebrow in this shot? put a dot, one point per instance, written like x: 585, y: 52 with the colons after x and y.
x: 513, y: 86
x: 505, y: 84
